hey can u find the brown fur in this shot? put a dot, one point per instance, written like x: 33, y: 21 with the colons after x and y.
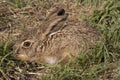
x: 54, y: 40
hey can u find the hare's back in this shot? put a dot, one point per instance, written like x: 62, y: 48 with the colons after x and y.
x: 82, y: 32
x: 76, y: 37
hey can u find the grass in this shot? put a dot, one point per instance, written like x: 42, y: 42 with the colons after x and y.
x: 102, y: 64
x: 19, y: 3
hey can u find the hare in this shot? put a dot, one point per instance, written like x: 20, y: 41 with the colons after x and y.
x: 55, y: 41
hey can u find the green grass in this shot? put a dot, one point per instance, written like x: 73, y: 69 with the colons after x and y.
x: 105, y: 56
x: 19, y: 3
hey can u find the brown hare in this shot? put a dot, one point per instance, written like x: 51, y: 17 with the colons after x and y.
x: 54, y: 41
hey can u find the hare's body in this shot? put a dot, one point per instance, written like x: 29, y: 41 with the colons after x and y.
x: 55, y: 41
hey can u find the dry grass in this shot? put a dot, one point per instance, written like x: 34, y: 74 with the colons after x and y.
x: 17, y: 15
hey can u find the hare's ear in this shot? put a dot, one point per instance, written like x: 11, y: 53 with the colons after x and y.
x: 51, y: 11
x: 55, y: 11
x: 54, y: 22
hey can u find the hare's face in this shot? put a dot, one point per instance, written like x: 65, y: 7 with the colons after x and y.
x: 25, y: 50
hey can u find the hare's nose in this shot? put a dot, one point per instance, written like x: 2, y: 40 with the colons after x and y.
x: 15, y: 49
x: 15, y: 52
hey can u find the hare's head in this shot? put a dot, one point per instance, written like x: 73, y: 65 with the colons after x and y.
x: 25, y: 47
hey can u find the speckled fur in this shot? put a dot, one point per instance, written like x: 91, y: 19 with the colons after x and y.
x: 55, y: 40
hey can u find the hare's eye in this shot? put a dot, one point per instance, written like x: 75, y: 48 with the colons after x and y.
x: 27, y: 44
